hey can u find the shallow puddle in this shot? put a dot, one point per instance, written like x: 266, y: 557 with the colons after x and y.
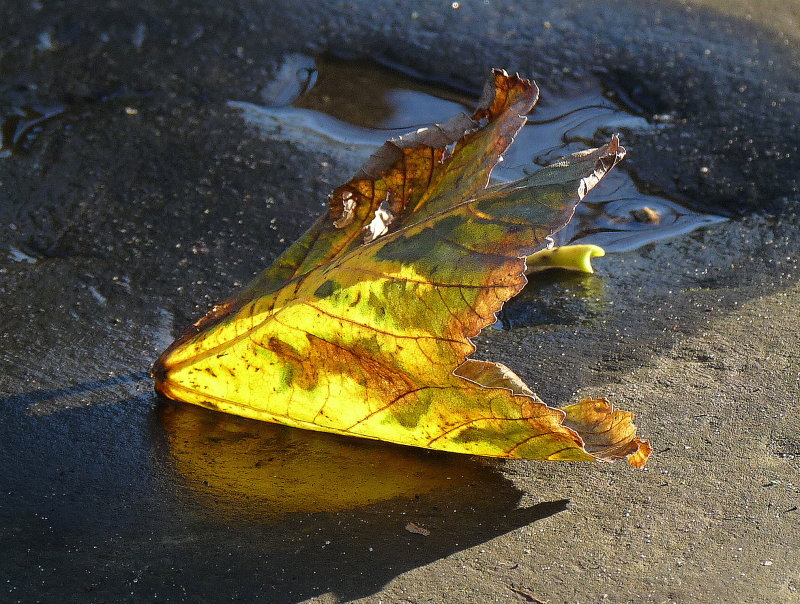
x: 350, y: 107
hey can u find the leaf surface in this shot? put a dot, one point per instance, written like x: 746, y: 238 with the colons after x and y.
x: 363, y: 326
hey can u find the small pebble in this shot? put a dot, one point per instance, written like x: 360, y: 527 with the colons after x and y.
x: 646, y: 215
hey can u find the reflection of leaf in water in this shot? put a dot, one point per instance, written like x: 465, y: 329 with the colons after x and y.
x: 263, y: 469
x: 362, y: 326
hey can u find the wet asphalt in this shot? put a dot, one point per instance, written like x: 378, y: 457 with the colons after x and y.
x: 133, y: 196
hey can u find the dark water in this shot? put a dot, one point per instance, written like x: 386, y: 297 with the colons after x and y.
x: 21, y: 124
x: 353, y: 106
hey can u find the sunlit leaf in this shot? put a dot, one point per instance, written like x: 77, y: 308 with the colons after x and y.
x: 569, y: 257
x: 362, y: 326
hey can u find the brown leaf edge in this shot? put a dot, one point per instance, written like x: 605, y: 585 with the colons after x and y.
x: 607, y: 434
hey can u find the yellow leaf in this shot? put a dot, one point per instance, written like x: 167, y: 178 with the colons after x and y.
x: 363, y: 326
x: 568, y: 257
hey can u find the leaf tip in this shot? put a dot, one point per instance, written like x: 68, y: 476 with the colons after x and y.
x: 608, y: 434
x: 502, y: 92
x: 639, y: 458
x: 608, y: 156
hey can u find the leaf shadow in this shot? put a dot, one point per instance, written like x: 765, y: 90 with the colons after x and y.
x: 62, y: 394
x: 138, y: 496
x: 334, y: 509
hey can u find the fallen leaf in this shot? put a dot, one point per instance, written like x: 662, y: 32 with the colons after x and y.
x: 413, y: 527
x: 362, y: 327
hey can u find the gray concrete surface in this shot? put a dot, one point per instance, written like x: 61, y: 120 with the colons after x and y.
x: 146, y: 198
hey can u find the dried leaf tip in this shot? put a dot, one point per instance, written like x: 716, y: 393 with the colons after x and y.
x: 610, y: 156
x: 608, y: 434
x: 503, y: 92
x: 615, y: 153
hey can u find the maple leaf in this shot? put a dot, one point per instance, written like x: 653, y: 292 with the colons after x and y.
x: 362, y: 327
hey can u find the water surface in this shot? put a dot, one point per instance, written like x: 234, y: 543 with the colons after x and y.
x: 350, y: 107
